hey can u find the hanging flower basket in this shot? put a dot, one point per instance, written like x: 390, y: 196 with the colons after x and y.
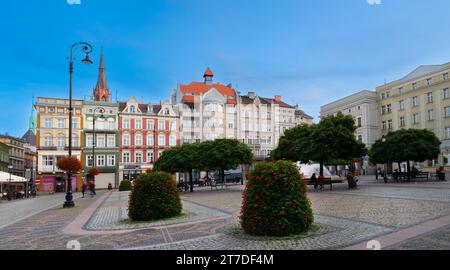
x: 72, y: 164
x: 94, y: 171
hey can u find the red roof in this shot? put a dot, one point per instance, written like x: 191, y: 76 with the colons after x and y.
x: 198, y: 88
x: 208, y: 73
x: 188, y: 99
x: 232, y: 102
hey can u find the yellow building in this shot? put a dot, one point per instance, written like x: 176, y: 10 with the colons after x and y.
x: 420, y: 100
x: 52, y: 139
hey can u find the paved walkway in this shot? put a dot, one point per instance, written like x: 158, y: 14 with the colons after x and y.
x: 14, y: 211
x: 399, y: 216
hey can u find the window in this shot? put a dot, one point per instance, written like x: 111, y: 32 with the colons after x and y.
x: 389, y: 108
x: 111, y: 124
x: 415, y: 101
x: 161, y: 125
x: 447, y: 111
x: 447, y: 133
x: 100, y: 124
x: 61, y: 142
x: 167, y: 111
x: 60, y: 123
x: 150, y: 157
x: 89, y: 140
x: 47, y: 161
x: 416, y: 119
x: 231, y: 125
x: 390, y: 124
x: 111, y: 141
x: 126, y: 139
x: 74, y: 123
x: 101, y: 161
x: 430, y: 115
x: 138, y: 124
x: 172, y: 126
x: 429, y: 81
x: 383, y: 109
x: 138, y: 158
x: 430, y: 97
x: 132, y: 109
x: 75, y: 141
x: 111, y: 161
x: 401, y: 105
x: 383, y: 95
x: 401, y: 90
x: 383, y: 125
x: 173, y: 140
x: 402, y: 121
x: 388, y: 94
x: 150, y: 124
x: 101, y: 141
x: 89, y: 161
x: 360, y: 138
x: 126, y: 123
x: 150, y: 140
x: 162, y: 140
x: 446, y: 93
x: 48, y: 123
x: 126, y: 157
x: 445, y: 76
x: 414, y: 86
x: 48, y: 141
x: 138, y: 139
x: 359, y: 122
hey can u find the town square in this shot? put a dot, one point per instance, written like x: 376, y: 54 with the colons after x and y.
x: 293, y: 126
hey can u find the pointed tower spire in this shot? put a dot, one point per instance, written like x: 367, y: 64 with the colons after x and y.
x: 208, y: 76
x: 33, y: 118
x: 101, y: 91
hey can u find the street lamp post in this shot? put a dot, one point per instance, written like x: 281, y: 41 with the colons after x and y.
x: 87, y: 48
x: 10, y: 167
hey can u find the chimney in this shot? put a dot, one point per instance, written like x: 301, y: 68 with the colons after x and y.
x: 278, y: 98
x: 251, y: 95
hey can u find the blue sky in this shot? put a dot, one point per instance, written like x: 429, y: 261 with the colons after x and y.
x: 309, y: 51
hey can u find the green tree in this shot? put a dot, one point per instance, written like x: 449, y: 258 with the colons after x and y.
x: 404, y: 145
x: 224, y: 154
x: 332, y: 139
x: 183, y: 159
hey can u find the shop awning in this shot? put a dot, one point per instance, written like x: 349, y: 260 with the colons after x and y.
x: 5, y: 178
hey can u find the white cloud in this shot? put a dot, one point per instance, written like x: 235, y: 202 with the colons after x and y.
x: 374, y: 2
x: 74, y: 2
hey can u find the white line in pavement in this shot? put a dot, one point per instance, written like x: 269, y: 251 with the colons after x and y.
x: 35, y: 213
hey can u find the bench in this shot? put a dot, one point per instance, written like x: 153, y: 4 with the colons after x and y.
x: 326, y: 182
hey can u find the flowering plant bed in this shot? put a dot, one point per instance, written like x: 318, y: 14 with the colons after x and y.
x: 275, y: 201
x: 154, y: 197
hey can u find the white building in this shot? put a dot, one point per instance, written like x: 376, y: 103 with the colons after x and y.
x: 210, y: 111
x: 362, y: 106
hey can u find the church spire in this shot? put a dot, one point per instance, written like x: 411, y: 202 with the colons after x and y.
x: 101, y: 91
x: 33, y: 118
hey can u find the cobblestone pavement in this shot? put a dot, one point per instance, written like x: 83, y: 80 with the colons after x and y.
x: 343, y: 218
x: 13, y: 211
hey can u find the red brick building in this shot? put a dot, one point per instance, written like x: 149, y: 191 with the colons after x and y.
x: 145, y: 131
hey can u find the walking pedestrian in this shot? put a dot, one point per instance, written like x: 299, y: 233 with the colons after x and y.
x: 313, y: 180
x: 83, y: 188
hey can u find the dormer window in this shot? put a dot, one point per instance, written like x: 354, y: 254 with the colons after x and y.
x: 132, y: 109
x: 167, y: 111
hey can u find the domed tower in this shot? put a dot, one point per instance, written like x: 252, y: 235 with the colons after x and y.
x: 101, y: 90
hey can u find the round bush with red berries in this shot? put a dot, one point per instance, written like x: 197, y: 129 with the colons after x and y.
x: 154, y: 196
x: 275, y: 201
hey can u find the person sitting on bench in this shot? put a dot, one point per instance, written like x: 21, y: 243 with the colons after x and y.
x: 313, y: 180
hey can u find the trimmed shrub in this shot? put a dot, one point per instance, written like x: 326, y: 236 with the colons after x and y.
x: 125, y: 185
x: 275, y: 202
x: 155, y: 196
